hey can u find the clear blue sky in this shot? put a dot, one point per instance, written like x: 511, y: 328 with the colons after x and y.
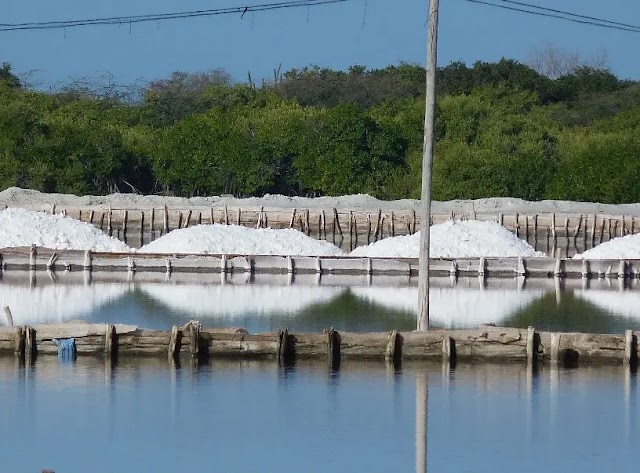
x: 333, y: 36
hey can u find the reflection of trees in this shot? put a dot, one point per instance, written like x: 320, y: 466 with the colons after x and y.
x: 568, y: 313
x: 344, y: 312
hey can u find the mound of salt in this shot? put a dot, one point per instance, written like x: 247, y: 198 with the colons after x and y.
x: 234, y: 239
x: 20, y: 227
x: 454, y: 239
x: 626, y: 247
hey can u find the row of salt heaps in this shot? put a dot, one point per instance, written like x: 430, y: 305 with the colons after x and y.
x: 452, y: 239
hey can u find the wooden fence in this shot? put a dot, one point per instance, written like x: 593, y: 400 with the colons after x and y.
x: 41, y: 259
x: 350, y: 227
x: 486, y: 343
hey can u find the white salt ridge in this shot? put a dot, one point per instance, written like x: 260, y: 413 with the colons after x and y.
x: 626, y: 247
x: 239, y: 240
x: 20, y: 227
x: 454, y: 239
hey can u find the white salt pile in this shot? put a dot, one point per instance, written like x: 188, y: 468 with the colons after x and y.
x: 234, y: 239
x: 454, y: 239
x: 627, y: 247
x: 20, y: 227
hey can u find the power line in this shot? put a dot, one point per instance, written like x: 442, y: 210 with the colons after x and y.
x: 130, y: 19
x: 559, y: 14
x: 576, y: 15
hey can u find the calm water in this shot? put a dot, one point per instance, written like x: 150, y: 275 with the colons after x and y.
x: 269, y: 302
x: 247, y: 417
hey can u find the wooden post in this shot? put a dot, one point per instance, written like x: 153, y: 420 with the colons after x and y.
x: 553, y: 227
x: 152, y: 223
x: 283, y: 349
x: 336, y: 219
x: 33, y: 253
x: 526, y: 228
x: 622, y: 269
x: 239, y: 218
x: 306, y: 221
x: 324, y: 224
x: 517, y: 225
x: 554, y: 350
x: 109, y: 342
x: 521, y: 269
x: 393, y: 225
x: 333, y: 349
x: 102, y: 220
x: 535, y: 227
x: 91, y: 215
x: 376, y: 233
x: 501, y: 219
x: 622, y: 225
x: 187, y: 221
x: 369, y: 228
x: 576, y: 232
x: 393, y: 352
x: 110, y: 221
x: 427, y: 164
x: 87, y: 264
x: 566, y: 227
x: 259, y: 219
x: 125, y: 218
x: 141, y: 227
x: 194, y: 342
x: 226, y: 215
x: 593, y: 230
x: 30, y: 348
x: 628, y: 347
x: 447, y: 348
x: 174, y: 343
x: 531, y: 348
x: 179, y: 220
x: 293, y: 218
x: 211, y: 218
x: 19, y: 334
x: 413, y: 221
x: 166, y: 220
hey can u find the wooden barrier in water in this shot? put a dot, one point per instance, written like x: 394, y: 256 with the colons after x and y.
x: 138, y: 226
x: 41, y: 259
x: 484, y: 343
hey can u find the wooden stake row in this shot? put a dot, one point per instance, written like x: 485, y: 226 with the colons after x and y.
x: 482, y: 343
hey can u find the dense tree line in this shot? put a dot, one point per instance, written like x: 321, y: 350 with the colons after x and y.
x: 502, y: 129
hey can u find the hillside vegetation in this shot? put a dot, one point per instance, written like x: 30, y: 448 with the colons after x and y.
x: 502, y: 130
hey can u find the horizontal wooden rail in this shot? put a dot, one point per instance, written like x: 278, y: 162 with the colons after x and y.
x: 39, y: 259
x: 484, y: 343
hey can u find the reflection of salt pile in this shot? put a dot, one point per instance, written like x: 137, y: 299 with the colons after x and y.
x: 234, y: 239
x: 454, y: 307
x: 620, y: 303
x: 627, y: 247
x: 454, y: 239
x: 230, y: 301
x: 57, y: 303
x: 19, y: 227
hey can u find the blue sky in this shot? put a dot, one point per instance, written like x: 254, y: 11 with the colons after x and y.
x: 333, y: 36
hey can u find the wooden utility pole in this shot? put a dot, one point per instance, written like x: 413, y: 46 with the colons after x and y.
x: 427, y: 164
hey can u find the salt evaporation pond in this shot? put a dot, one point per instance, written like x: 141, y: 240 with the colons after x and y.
x: 253, y: 416
x: 304, y: 303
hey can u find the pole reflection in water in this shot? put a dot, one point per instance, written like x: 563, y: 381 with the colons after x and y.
x: 422, y: 400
